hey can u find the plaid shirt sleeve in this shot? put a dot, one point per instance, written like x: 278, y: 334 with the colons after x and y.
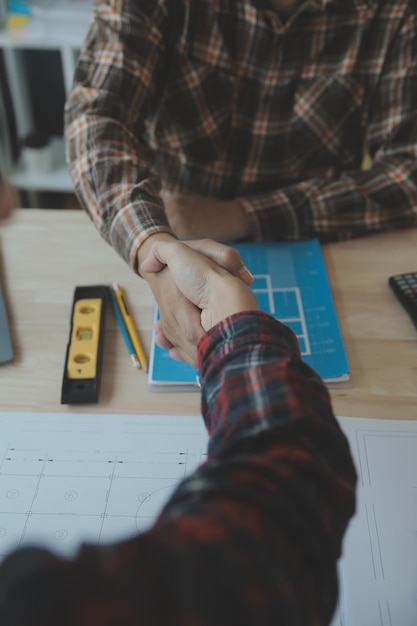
x: 108, y: 157
x: 252, y: 537
x: 352, y: 201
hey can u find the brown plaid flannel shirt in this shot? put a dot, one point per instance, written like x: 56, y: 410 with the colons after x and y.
x: 221, y: 98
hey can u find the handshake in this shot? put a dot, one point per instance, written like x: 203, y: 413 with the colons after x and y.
x: 207, y: 282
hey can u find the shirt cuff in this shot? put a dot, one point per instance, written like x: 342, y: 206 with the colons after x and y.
x: 129, y: 231
x: 243, y: 329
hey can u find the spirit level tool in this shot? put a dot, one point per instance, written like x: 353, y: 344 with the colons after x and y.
x: 82, y: 371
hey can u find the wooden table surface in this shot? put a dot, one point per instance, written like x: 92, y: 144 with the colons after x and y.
x: 45, y: 254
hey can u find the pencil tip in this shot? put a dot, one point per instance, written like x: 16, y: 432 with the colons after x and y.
x: 135, y: 361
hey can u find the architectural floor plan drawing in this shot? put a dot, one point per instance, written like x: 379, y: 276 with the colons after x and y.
x: 379, y: 565
x: 285, y: 304
x: 71, y: 478
x: 66, y: 479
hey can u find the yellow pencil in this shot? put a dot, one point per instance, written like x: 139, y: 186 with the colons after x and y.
x: 140, y: 353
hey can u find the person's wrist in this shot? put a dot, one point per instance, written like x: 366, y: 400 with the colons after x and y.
x: 231, y: 296
x: 254, y: 233
x: 239, y: 222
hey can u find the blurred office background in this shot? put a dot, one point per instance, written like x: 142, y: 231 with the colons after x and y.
x: 39, y: 45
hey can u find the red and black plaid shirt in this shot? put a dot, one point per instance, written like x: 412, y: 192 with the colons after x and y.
x: 221, y: 98
x: 251, y: 538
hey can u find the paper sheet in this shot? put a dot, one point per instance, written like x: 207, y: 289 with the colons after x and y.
x: 71, y: 478
x: 379, y: 565
x: 68, y: 478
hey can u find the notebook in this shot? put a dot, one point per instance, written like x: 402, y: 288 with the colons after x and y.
x: 291, y: 284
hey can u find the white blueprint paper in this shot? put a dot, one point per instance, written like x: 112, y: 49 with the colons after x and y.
x: 67, y: 478
x: 379, y: 564
x: 72, y: 478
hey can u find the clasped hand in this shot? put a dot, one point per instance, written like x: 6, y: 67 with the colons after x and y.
x: 196, y: 285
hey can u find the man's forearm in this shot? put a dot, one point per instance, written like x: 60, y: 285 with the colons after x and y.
x: 274, y: 499
x: 259, y: 356
x: 110, y: 162
x: 333, y: 209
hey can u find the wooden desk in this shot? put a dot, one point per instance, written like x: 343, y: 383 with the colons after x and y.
x: 45, y: 254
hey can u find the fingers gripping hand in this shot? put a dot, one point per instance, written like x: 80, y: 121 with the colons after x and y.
x: 222, y: 255
x: 179, y: 328
x: 214, y: 290
x: 189, y: 270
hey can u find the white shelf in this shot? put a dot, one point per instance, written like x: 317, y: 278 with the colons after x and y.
x: 55, y: 25
x: 58, y: 179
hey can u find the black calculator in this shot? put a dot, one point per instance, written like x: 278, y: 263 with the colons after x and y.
x: 405, y: 288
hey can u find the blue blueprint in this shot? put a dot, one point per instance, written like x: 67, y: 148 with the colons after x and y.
x: 291, y: 284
